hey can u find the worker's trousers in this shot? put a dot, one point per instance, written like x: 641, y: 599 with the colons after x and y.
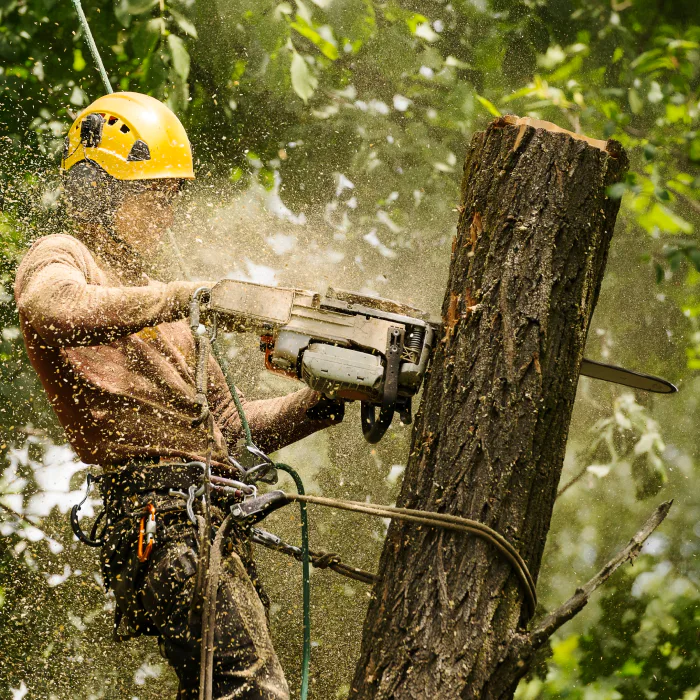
x: 155, y: 599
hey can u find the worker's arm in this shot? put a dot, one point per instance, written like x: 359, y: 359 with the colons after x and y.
x: 274, y: 423
x: 54, y: 294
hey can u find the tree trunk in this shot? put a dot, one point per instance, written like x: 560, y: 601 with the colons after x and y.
x: 489, y: 440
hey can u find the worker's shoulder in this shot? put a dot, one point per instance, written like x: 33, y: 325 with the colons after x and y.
x: 57, y: 243
x: 57, y: 247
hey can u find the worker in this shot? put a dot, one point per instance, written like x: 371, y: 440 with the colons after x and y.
x: 116, y: 357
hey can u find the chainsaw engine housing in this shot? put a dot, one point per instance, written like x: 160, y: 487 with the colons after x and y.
x: 344, y: 345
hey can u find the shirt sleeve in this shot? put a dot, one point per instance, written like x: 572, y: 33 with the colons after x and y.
x: 274, y: 423
x: 54, y: 295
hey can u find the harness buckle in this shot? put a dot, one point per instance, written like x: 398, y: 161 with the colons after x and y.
x: 254, y: 509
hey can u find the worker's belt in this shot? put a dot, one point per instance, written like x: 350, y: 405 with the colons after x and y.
x: 129, y: 489
x: 148, y: 478
x: 172, y: 490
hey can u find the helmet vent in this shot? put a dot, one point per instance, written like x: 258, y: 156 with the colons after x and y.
x: 124, y: 129
x: 112, y: 120
x: 139, y: 151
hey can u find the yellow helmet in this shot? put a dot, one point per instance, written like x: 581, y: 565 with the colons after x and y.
x: 131, y: 137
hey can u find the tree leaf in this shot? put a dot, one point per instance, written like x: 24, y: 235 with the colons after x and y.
x: 636, y: 102
x: 659, y: 271
x: 328, y: 49
x: 183, y: 22
x: 145, y: 37
x: 181, y: 58
x: 665, y: 220
x: 78, y: 60
x: 488, y: 105
x: 304, y: 81
x: 617, y: 190
x: 694, y: 257
x: 127, y: 9
x: 694, y: 149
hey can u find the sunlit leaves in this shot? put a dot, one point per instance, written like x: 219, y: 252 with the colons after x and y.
x: 489, y: 106
x: 662, y: 219
x: 183, y: 22
x: 304, y: 81
x: 641, y: 646
x: 652, y: 61
x: 628, y: 437
x: 180, y: 56
x: 327, y: 45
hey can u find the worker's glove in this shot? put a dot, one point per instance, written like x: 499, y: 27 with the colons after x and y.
x: 327, y: 409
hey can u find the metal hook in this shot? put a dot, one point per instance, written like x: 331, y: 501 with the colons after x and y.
x: 75, y: 525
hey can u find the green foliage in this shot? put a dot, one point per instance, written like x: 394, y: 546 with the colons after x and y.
x: 629, y: 437
x: 356, y: 116
x: 643, y: 646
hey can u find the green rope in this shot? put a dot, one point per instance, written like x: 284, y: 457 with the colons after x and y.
x: 305, y: 558
x: 306, y: 579
x: 93, y: 47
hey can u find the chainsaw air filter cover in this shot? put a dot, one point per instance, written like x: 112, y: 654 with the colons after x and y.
x: 342, y: 373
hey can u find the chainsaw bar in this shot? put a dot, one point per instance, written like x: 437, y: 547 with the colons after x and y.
x: 626, y: 377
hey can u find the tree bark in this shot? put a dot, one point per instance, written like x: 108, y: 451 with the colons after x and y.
x: 489, y: 440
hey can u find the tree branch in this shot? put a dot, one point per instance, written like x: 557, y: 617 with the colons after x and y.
x: 525, y: 645
x: 17, y: 515
x: 572, y: 481
x: 579, y: 600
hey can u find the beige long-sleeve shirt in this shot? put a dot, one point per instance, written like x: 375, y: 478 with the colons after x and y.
x: 118, y: 363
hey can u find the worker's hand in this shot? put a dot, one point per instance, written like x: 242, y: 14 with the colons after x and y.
x: 181, y: 294
x: 327, y: 409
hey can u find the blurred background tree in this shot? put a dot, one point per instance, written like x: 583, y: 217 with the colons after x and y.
x: 328, y: 137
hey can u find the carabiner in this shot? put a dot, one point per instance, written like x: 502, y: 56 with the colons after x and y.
x: 92, y: 541
x: 147, y: 531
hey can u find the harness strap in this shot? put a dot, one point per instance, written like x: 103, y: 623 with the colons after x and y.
x: 144, y: 478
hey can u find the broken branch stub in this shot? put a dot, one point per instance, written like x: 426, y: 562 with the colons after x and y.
x: 532, y: 240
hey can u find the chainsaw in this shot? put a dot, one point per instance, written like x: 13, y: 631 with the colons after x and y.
x: 353, y: 347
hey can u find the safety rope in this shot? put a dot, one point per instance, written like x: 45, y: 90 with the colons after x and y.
x: 440, y: 520
x: 320, y: 559
x: 92, y: 45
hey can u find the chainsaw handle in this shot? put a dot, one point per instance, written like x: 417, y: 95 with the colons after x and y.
x: 373, y: 428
